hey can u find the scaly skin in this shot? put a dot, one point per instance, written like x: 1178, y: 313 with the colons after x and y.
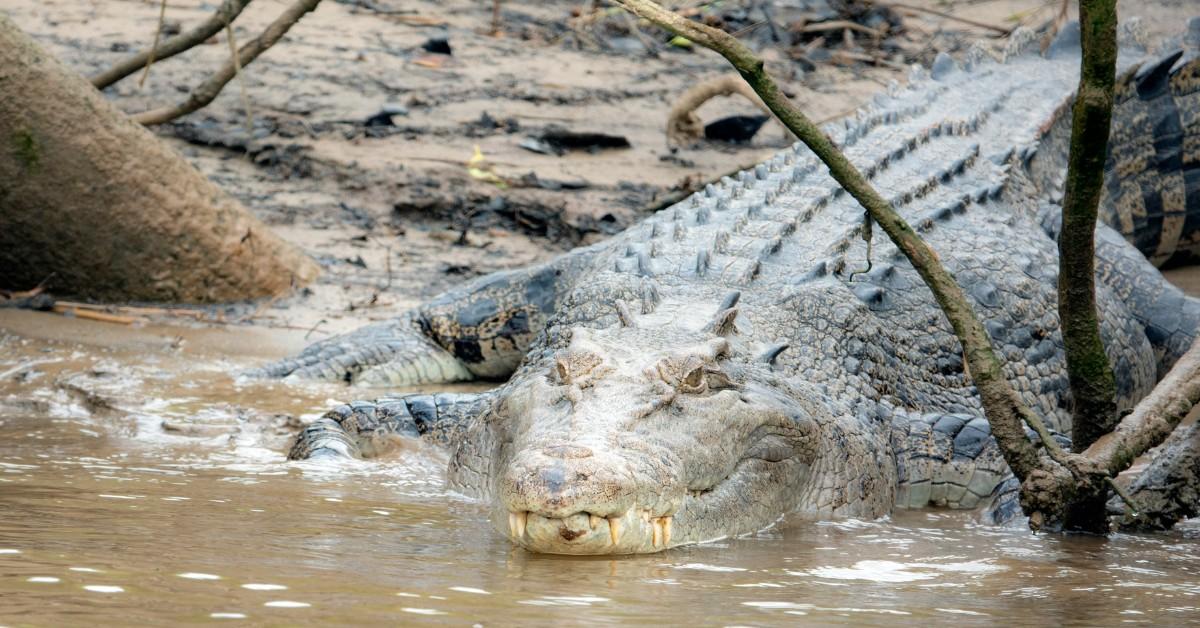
x: 744, y: 354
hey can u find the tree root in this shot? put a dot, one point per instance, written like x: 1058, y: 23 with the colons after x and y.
x: 684, y: 127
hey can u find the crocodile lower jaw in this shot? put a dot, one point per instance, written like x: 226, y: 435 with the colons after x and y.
x: 636, y: 531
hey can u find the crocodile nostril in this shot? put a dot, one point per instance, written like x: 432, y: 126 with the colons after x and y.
x: 566, y: 452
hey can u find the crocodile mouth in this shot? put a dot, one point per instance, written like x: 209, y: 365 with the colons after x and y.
x: 641, y: 530
x: 637, y: 530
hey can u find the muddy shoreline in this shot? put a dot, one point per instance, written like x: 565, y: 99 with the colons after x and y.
x: 361, y: 139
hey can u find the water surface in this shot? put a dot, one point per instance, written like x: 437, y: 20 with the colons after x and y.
x: 143, y: 485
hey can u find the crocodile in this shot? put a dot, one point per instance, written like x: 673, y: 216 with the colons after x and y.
x: 752, y: 352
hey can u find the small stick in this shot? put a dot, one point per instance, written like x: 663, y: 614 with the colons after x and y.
x: 838, y: 25
x: 953, y: 18
x: 162, y: 14
x: 135, y: 310
x: 241, y: 79
x: 312, y: 329
x: 93, y: 315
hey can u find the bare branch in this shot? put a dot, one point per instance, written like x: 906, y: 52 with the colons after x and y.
x: 229, y: 10
x: 208, y: 90
x: 1003, y: 408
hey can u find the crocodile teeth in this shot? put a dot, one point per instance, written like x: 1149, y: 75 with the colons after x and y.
x: 614, y: 529
x: 517, y: 522
x: 593, y: 521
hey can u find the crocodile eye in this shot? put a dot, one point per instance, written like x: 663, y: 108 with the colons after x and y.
x: 694, y: 379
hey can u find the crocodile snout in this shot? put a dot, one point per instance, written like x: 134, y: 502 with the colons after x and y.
x: 564, y: 479
x: 569, y: 498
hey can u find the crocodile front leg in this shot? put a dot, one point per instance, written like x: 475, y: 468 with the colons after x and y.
x: 366, y: 429
x: 479, y: 330
x: 398, y: 352
x: 952, y: 460
x: 946, y: 460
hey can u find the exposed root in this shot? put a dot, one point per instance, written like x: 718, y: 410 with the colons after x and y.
x: 684, y: 127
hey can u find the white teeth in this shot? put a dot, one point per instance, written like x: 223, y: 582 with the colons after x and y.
x: 517, y: 522
x: 661, y: 531
x: 593, y: 521
x: 614, y: 529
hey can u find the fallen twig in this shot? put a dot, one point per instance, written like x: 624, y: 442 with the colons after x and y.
x: 104, y: 317
x: 137, y: 311
x: 837, y: 25
x: 954, y: 18
x: 852, y: 57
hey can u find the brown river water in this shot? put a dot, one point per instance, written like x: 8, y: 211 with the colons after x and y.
x: 141, y: 484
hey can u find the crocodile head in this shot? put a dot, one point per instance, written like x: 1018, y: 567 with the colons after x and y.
x: 620, y: 447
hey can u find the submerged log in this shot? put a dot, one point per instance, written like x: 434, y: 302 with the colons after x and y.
x: 113, y: 213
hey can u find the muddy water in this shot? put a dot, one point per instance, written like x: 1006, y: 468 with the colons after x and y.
x: 141, y: 484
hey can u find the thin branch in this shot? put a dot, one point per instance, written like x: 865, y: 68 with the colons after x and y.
x: 162, y: 16
x: 1003, y: 407
x: 237, y: 71
x: 208, y: 90
x: 226, y: 13
x: 954, y: 18
x: 837, y: 25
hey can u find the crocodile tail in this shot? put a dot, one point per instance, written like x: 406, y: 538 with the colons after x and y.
x: 1152, y: 174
